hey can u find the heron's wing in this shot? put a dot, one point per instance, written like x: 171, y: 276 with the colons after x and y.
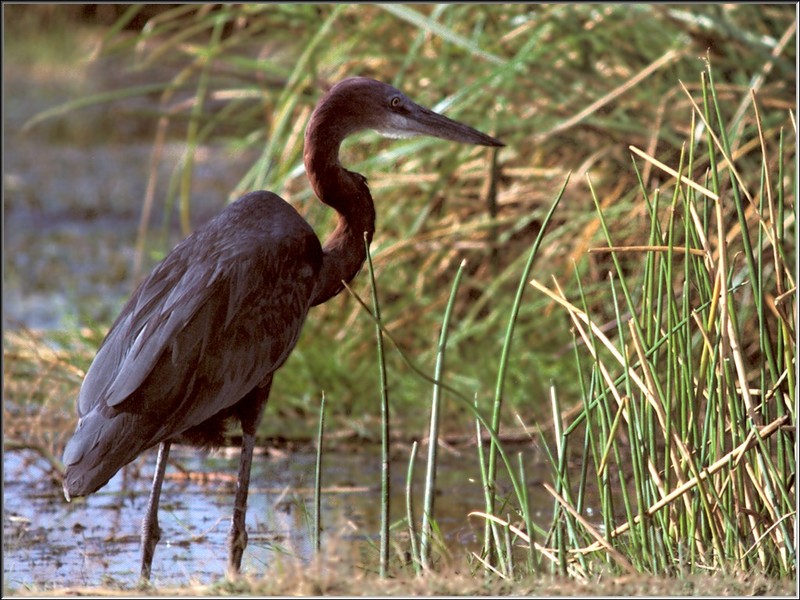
x: 164, y: 304
x: 212, y: 311
x: 212, y: 321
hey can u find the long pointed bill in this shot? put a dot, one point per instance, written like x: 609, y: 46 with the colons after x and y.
x: 422, y: 121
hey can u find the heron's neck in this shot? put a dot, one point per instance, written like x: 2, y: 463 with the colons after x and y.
x: 343, y: 253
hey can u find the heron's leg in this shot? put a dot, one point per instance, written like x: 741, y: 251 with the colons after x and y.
x: 251, y: 409
x: 151, y: 532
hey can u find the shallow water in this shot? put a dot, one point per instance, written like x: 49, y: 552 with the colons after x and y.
x: 95, y: 541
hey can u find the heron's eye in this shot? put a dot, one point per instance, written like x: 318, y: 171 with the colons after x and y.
x: 395, y: 101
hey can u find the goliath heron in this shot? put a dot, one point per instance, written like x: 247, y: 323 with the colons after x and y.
x: 200, y: 338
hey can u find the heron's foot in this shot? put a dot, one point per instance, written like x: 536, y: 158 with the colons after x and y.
x: 151, y: 534
x: 237, y: 541
x: 144, y: 584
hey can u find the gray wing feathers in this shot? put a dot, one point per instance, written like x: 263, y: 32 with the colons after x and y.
x: 157, y: 334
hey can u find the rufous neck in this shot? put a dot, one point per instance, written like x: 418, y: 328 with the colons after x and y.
x: 346, y: 192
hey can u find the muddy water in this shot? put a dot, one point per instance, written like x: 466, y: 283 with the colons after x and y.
x: 95, y: 541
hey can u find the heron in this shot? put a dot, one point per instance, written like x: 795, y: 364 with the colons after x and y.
x: 197, y: 344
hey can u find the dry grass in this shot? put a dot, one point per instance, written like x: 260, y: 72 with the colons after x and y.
x: 40, y: 384
x: 341, y: 580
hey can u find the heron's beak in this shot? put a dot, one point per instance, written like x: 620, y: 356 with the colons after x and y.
x: 422, y: 121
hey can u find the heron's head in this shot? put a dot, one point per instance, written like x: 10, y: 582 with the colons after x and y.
x: 359, y: 103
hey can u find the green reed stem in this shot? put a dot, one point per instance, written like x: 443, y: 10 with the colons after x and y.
x: 416, y: 561
x: 318, y: 477
x: 433, y: 434
x: 385, y: 471
x: 505, y: 356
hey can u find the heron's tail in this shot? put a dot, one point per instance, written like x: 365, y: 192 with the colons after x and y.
x: 99, y: 448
